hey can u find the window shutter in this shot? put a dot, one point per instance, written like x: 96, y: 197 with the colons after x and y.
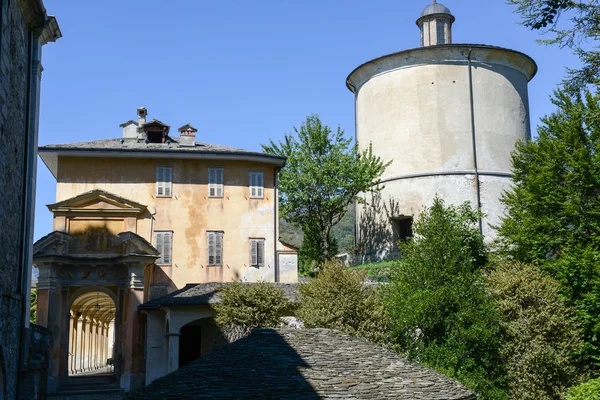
x: 167, y: 243
x: 168, y: 179
x: 220, y: 182
x: 160, y: 247
x: 253, y: 252
x: 219, y: 249
x: 260, y: 184
x: 260, y: 253
x: 159, y: 181
x: 211, y: 248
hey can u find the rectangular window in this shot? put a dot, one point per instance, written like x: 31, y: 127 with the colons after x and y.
x: 215, y: 248
x: 163, y: 241
x: 441, y: 32
x: 257, y: 252
x: 163, y: 181
x: 215, y: 182
x: 402, y: 228
x: 257, y: 185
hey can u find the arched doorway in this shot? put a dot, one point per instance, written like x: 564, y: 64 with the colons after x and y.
x: 92, y: 334
x: 198, y: 338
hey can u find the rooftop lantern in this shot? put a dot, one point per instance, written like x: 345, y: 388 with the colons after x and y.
x: 435, y: 24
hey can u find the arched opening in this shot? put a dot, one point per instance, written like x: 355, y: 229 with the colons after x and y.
x: 92, y: 334
x: 198, y: 338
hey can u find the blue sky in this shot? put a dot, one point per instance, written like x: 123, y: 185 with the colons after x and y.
x: 242, y: 72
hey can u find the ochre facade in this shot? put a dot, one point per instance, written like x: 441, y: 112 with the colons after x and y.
x: 189, y: 213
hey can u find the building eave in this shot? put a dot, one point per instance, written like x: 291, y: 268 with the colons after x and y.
x: 50, y: 156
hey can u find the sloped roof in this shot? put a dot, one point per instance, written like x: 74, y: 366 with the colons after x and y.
x: 132, y: 148
x: 303, y: 364
x: 195, y: 294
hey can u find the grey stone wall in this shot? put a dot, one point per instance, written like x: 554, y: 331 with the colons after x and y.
x: 14, y: 36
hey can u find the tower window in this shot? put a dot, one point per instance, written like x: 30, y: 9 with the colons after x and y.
x: 402, y: 228
x: 422, y: 29
x: 441, y: 31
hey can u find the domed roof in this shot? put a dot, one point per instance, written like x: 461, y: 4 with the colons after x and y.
x: 435, y: 8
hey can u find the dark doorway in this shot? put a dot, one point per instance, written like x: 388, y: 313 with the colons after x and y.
x: 190, y: 345
x: 402, y: 228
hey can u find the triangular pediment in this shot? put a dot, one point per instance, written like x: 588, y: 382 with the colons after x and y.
x: 97, y: 201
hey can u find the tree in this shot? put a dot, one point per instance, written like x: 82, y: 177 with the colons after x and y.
x: 584, y: 17
x: 33, y: 306
x: 553, y: 212
x: 589, y: 390
x: 539, y: 330
x: 324, y: 173
x: 339, y: 298
x: 245, y: 306
x: 440, y: 312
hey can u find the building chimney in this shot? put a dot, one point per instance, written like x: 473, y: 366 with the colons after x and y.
x: 142, y: 113
x: 130, y: 129
x: 187, y: 136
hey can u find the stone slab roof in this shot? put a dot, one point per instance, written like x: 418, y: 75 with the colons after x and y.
x: 132, y: 144
x: 196, y: 294
x: 303, y: 364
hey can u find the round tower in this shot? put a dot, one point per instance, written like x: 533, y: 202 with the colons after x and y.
x: 447, y: 116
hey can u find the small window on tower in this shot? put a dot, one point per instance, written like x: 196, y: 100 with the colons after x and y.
x: 402, y: 228
x: 441, y: 32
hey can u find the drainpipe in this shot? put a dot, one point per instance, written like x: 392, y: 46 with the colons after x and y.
x: 276, y: 223
x: 472, y: 107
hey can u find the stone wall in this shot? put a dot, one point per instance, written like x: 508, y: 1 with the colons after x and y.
x: 13, y: 105
x: 24, y: 28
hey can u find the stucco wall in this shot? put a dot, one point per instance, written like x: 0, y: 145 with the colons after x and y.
x: 414, y: 108
x: 190, y: 213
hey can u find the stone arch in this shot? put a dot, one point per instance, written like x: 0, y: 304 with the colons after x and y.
x: 198, y: 338
x: 92, y: 326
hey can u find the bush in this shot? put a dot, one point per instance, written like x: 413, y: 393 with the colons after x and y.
x: 589, y: 390
x: 338, y: 298
x: 540, y: 334
x: 441, y: 314
x: 245, y: 306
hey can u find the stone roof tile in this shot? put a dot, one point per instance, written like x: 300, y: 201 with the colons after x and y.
x: 303, y: 364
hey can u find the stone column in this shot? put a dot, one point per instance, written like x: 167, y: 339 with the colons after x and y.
x: 133, y: 352
x: 79, y: 348
x: 50, y: 315
x: 72, y: 342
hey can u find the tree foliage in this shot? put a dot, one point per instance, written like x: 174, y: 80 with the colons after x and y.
x: 339, y: 298
x: 245, y: 306
x: 581, y: 36
x: 553, y: 212
x: 589, y: 390
x: 540, y: 335
x: 437, y: 301
x: 324, y: 173
x: 33, y: 305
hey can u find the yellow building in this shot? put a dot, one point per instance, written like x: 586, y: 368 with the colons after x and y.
x: 139, y: 217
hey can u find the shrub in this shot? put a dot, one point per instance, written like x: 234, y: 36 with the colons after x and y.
x: 339, y: 298
x: 245, y: 306
x: 589, y: 390
x: 441, y: 314
x: 541, y: 336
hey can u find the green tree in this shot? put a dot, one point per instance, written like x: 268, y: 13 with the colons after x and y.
x: 589, y: 390
x: 553, y: 211
x: 540, y: 334
x: 581, y: 36
x: 245, y: 306
x: 441, y: 314
x: 33, y: 305
x: 324, y: 173
x: 339, y: 298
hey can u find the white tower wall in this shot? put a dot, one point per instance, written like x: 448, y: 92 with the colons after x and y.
x: 414, y: 107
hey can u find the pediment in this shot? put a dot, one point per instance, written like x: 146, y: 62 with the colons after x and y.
x: 93, y: 245
x: 97, y: 201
